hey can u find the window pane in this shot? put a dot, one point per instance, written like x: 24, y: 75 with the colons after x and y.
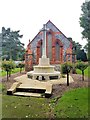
x: 57, y: 52
x: 49, y: 43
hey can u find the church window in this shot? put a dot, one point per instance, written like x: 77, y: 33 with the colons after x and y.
x: 49, y: 44
x: 57, y: 51
x: 41, y: 50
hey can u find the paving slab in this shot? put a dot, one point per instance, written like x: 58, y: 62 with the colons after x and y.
x: 25, y: 80
x: 27, y: 94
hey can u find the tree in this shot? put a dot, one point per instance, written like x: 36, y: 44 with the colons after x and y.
x: 21, y: 65
x: 8, y: 66
x: 11, y: 45
x: 82, y: 66
x: 86, y: 48
x: 81, y: 55
x: 66, y: 67
x: 85, y: 23
x: 0, y: 45
x: 85, y: 20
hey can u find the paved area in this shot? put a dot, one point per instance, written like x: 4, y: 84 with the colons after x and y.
x: 24, y: 80
x: 27, y: 83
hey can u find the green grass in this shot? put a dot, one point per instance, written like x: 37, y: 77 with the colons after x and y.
x: 15, y: 70
x: 73, y: 104
x: 87, y: 70
x: 0, y: 88
x: 25, y: 107
x: 3, y: 73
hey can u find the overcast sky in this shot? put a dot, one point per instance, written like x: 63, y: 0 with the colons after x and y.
x: 28, y: 16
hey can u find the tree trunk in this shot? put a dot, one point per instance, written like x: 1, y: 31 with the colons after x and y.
x: 67, y: 78
x: 7, y: 75
x: 20, y: 70
x: 82, y: 75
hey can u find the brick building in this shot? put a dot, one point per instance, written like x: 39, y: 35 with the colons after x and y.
x: 59, y: 48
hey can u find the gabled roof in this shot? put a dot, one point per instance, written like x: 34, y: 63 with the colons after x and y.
x: 36, y: 36
x: 54, y: 26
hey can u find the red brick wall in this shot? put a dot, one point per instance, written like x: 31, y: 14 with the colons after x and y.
x: 28, y: 59
x: 29, y: 62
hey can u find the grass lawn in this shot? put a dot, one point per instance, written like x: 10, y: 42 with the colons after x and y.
x: 25, y: 107
x: 87, y: 70
x: 73, y: 104
x: 3, y: 73
x: 0, y: 88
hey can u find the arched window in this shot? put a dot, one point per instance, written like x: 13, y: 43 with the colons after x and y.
x: 41, y: 49
x: 49, y: 45
x: 57, y: 51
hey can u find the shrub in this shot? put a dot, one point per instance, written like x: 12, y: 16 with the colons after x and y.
x: 73, y: 71
x: 82, y: 66
x: 65, y: 66
x: 8, y: 66
x: 21, y: 65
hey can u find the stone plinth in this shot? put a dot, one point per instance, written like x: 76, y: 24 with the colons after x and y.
x: 43, y: 66
x: 43, y: 71
x: 44, y: 62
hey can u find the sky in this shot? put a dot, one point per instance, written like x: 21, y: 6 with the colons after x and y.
x: 28, y: 16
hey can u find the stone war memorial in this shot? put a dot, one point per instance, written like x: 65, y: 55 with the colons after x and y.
x: 43, y: 70
x: 44, y: 54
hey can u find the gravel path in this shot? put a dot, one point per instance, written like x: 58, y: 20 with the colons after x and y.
x: 58, y: 90
x: 11, y: 80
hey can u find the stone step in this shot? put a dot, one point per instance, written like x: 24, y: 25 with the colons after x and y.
x: 13, y: 88
x: 27, y: 94
x: 32, y: 86
x: 30, y: 90
x: 35, y: 89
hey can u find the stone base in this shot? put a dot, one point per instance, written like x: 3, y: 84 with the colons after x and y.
x: 43, y: 76
x: 43, y: 71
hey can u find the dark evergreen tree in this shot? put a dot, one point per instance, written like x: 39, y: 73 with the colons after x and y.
x: 81, y: 55
x: 11, y: 45
x: 86, y: 48
x: 85, y: 23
